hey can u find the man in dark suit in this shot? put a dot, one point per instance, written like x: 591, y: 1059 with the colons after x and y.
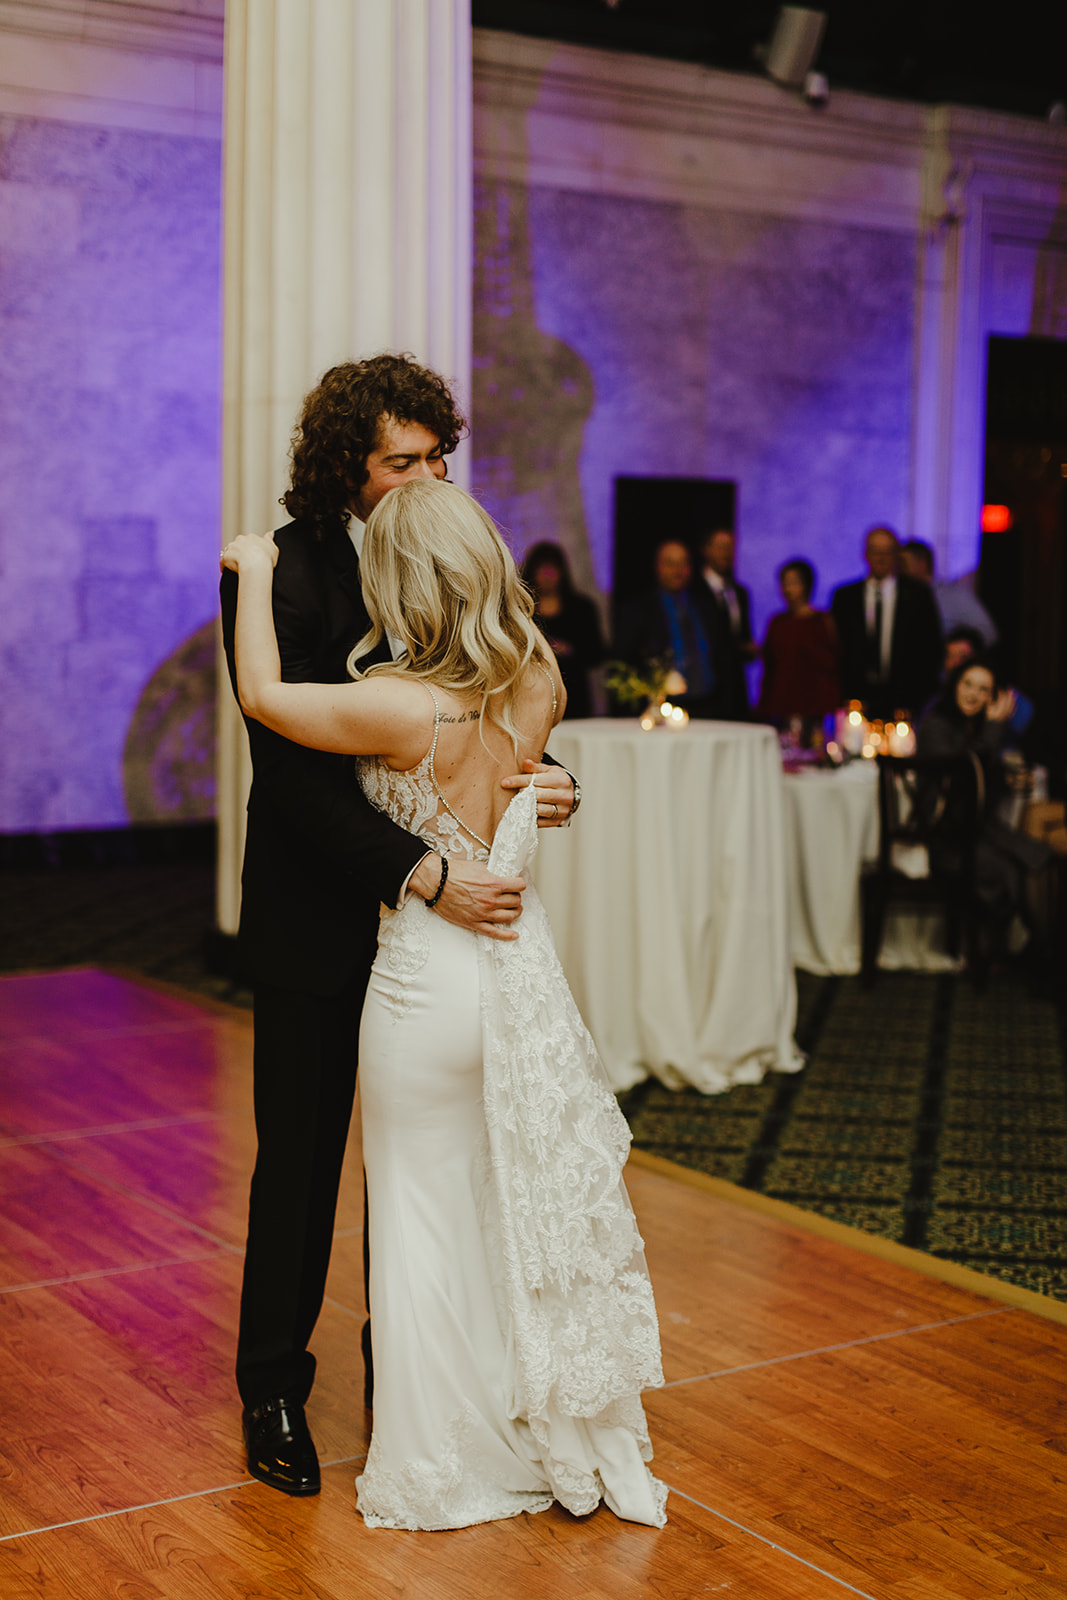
x: 735, y: 647
x: 890, y: 633
x: 319, y: 861
x: 675, y: 624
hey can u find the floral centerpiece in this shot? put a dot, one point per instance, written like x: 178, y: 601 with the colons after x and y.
x: 648, y: 690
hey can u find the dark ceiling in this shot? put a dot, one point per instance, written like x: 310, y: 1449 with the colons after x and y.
x: 1008, y: 57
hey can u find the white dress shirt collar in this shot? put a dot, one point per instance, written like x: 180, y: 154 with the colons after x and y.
x: 724, y: 591
x: 888, y: 588
x: 357, y: 532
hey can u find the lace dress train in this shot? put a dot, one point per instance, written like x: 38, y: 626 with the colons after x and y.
x: 512, y: 1314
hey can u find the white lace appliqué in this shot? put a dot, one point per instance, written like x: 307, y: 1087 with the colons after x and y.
x: 458, y: 1491
x: 410, y: 798
x: 578, y: 1297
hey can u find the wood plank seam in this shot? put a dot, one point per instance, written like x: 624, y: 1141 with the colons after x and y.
x: 151, y: 1204
x: 350, y: 1311
x: 130, y: 1030
x: 248, y: 1483
x: 111, y: 1272
x: 781, y: 1549
x: 172, y: 1500
x: 870, y: 1244
x: 108, y: 1130
x: 125, y: 1511
x: 847, y: 1344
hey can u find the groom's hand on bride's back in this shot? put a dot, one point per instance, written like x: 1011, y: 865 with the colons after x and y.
x: 473, y: 897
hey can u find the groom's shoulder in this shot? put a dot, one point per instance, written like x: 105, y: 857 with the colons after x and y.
x: 297, y: 541
x: 301, y: 555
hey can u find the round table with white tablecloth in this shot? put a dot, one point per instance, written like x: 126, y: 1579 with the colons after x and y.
x: 668, y: 900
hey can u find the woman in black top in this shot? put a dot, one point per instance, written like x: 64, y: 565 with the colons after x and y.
x: 568, y: 620
x: 971, y: 717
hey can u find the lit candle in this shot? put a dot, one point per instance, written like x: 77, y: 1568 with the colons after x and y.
x: 901, y: 739
x: 851, y: 729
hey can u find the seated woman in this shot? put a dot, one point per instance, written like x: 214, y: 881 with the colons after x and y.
x: 568, y: 620
x: 800, y: 653
x: 972, y: 717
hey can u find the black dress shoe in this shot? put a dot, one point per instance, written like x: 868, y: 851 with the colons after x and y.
x: 280, y: 1450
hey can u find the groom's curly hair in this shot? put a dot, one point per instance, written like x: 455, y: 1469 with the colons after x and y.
x: 340, y: 424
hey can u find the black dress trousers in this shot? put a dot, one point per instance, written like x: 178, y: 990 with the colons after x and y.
x: 302, y: 1120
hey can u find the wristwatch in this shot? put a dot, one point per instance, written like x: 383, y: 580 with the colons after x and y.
x: 577, y: 797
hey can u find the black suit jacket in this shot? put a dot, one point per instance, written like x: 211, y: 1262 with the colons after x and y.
x: 644, y: 636
x: 731, y: 685
x: 319, y: 859
x: 915, y: 648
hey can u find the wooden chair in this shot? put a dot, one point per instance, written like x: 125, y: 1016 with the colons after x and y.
x: 931, y: 805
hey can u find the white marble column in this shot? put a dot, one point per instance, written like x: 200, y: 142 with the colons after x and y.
x: 347, y: 231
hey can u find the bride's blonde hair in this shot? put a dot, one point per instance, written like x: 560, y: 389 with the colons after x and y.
x: 437, y: 575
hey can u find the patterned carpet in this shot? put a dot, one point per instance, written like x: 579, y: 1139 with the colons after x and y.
x: 928, y: 1113
x: 152, y: 916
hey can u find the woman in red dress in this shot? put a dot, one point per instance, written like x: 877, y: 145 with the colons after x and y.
x: 800, y: 653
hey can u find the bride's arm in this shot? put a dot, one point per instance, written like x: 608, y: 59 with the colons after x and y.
x: 382, y: 717
x: 557, y: 790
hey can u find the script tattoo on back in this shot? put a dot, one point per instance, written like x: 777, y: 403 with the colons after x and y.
x: 466, y: 716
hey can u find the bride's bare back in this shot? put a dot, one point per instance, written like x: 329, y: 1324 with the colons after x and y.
x: 473, y: 753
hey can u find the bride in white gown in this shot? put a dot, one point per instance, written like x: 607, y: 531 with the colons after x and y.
x: 512, y: 1316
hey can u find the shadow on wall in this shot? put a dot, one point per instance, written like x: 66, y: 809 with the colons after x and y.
x: 531, y: 394
x: 168, y: 763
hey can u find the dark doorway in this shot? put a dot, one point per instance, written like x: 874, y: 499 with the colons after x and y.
x: 649, y: 510
x: 1022, y: 577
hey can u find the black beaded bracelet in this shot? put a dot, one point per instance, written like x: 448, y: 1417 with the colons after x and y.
x: 441, y: 886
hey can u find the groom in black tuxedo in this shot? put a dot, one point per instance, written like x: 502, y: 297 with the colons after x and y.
x: 319, y: 860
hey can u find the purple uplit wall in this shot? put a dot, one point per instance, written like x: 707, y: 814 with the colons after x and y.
x: 109, y: 425
x: 677, y: 272
x: 688, y: 342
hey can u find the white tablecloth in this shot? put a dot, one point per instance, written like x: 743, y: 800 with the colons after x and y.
x: 668, y: 899
x: 831, y: 829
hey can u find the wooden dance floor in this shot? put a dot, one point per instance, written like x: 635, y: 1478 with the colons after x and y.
x: 833, y: 1424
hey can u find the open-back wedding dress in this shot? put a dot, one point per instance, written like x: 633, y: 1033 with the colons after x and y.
x: 512, y: 1315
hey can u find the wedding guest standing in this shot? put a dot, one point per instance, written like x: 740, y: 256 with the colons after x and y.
x: 674, y: 625
x: 568, y: 620
x: 800, y: 653
x: 890, y: 633
x: 957, y: 603
x: 735, y: 647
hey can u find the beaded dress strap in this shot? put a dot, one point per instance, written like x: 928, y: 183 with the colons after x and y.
x: 552, y: 686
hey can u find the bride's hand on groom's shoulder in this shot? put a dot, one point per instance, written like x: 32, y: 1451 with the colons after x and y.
x: 249, y: 550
